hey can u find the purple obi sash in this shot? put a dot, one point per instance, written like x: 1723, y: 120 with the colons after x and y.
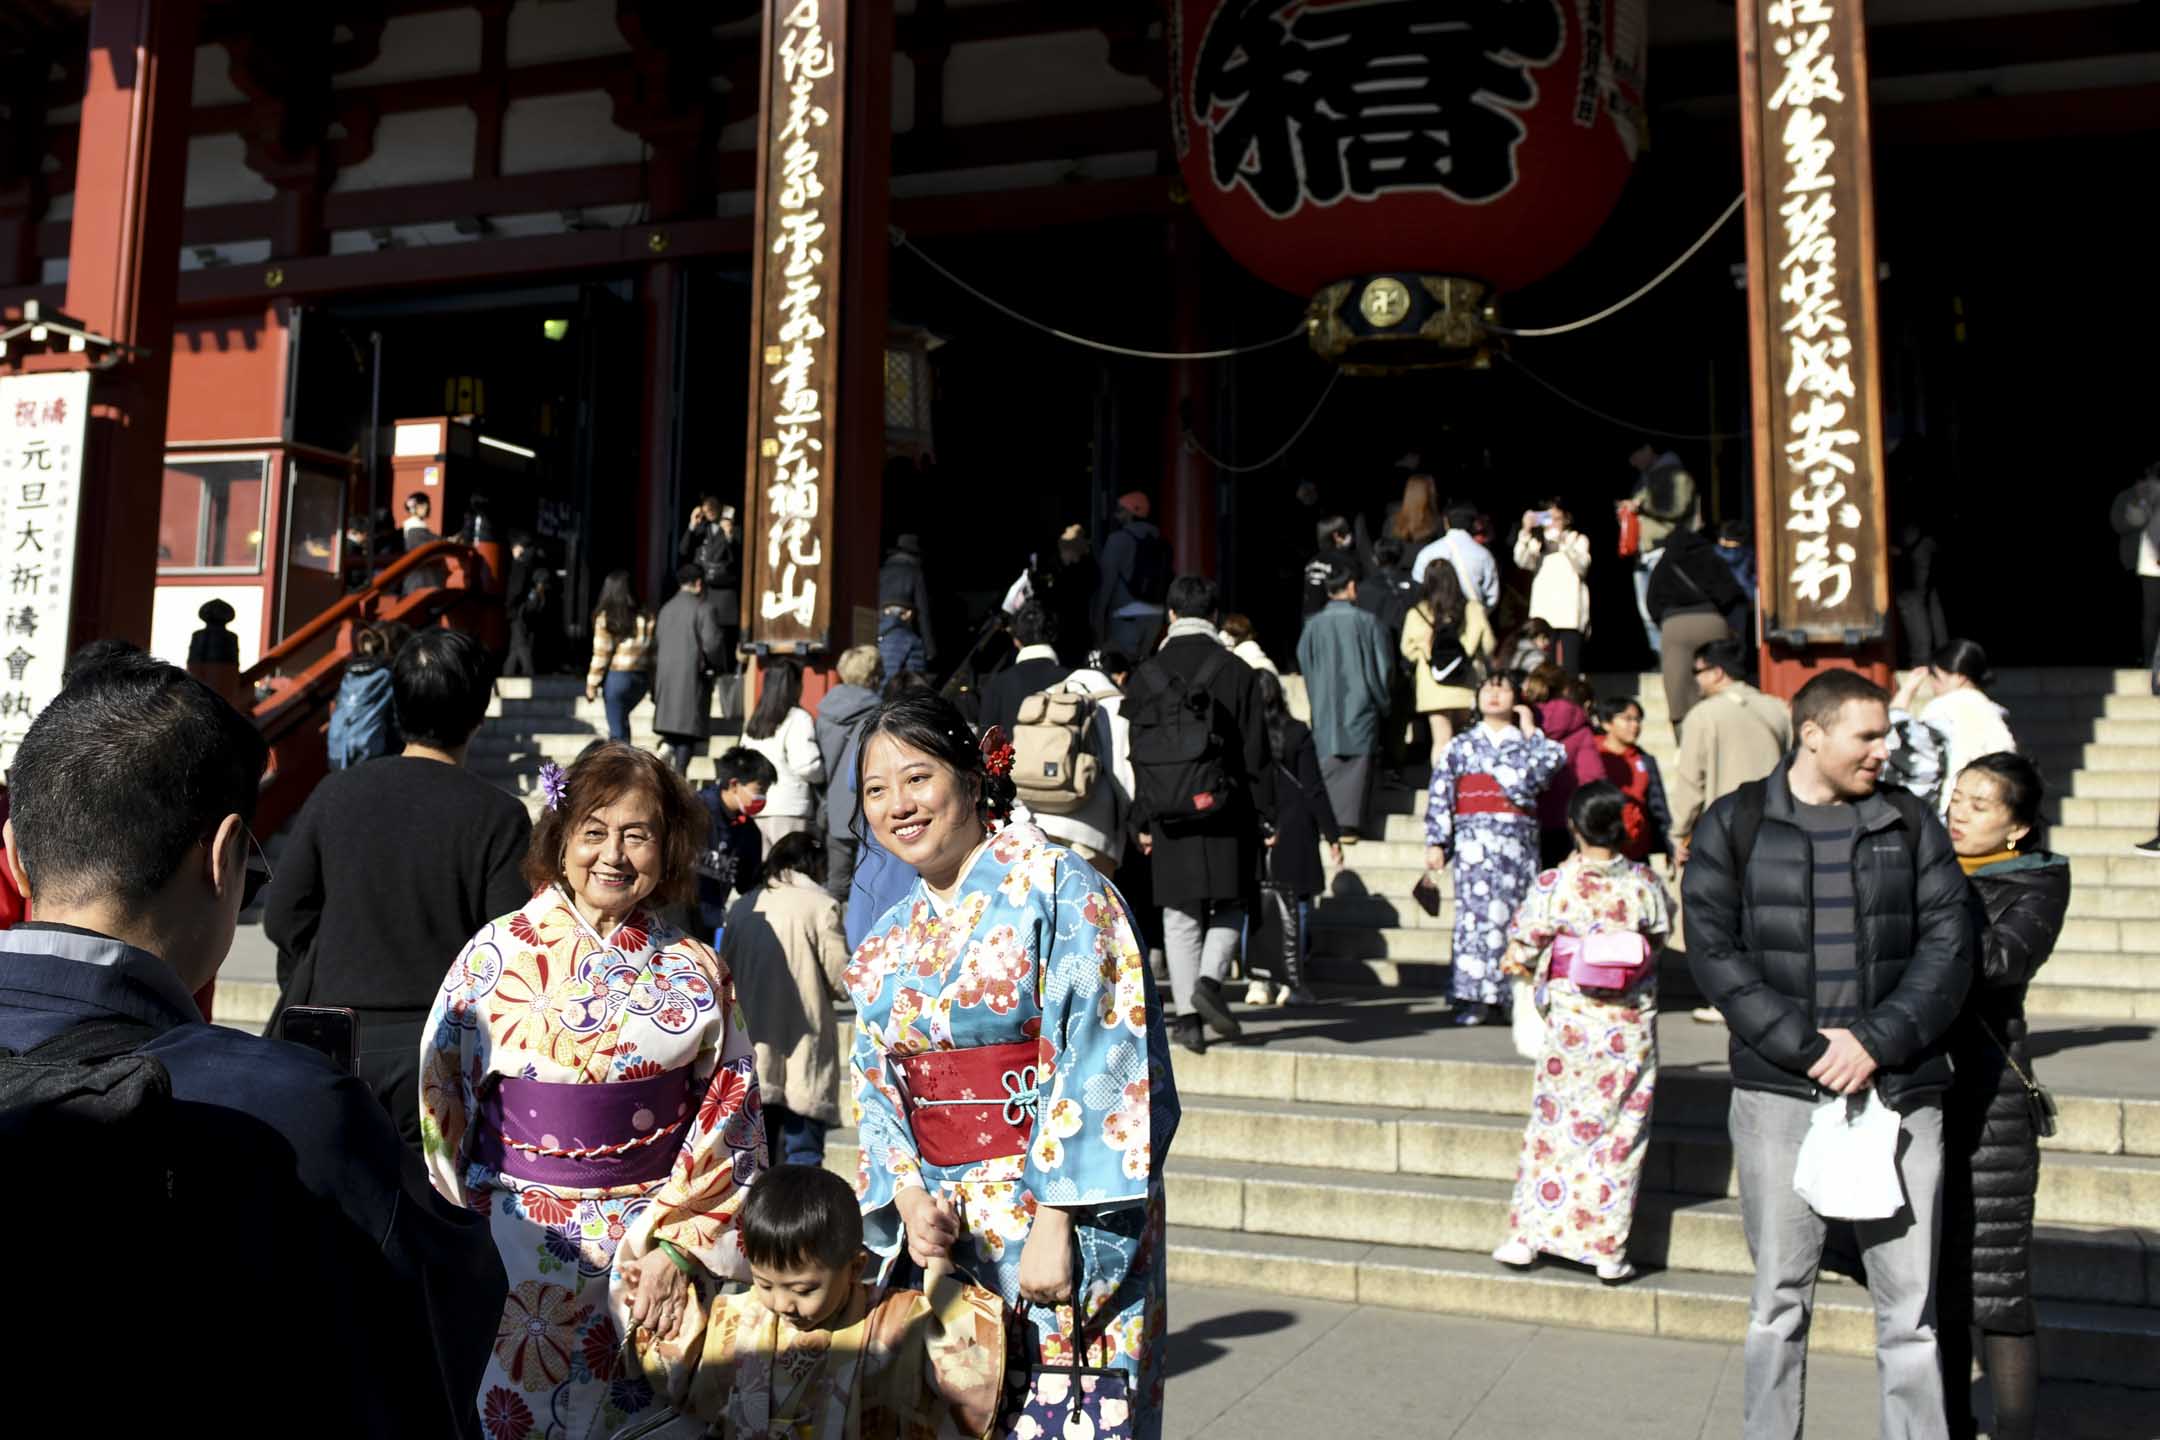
x: 583, y: 1136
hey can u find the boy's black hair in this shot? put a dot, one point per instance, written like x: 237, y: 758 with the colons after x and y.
x: 797, y: 1215
x: 744, y: 766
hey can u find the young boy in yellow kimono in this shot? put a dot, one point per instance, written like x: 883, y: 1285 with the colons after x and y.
x: 811, y: 1352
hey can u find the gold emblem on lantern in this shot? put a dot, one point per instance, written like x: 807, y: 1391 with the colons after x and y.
x: 1385, y: 302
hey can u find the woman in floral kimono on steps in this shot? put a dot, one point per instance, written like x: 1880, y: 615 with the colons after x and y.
x: 1010, y: 1059
x: 587, y: 1083
x: 1582, y: 1152
x: 1481, y: 822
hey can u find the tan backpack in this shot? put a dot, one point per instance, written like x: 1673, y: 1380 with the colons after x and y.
x: 1054, y: 766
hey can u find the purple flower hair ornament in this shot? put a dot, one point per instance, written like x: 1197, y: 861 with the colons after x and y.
x: 554, y: 784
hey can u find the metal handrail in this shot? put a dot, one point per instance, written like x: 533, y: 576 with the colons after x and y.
x: 471, y: 567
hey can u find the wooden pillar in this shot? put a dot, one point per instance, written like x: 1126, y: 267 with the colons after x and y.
x: 1186, y: 508
x: 1817, y: 387
x: 865, y: 327
x: 123, y: 268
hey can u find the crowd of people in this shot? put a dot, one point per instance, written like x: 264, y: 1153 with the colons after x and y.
x: 574, y: 1178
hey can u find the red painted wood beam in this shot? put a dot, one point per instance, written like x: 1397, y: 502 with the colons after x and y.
x: 121, y: 272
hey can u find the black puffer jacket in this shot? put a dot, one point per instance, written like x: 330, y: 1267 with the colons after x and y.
x: 1991, y: 1157
x: 1755, y: 958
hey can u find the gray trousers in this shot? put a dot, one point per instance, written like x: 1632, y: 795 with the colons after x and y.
x: 1201, y: 939
x: 1786, y: 1238
x: 1349, y: 780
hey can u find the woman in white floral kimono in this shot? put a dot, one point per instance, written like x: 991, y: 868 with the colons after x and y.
x: 1010, y: 1059
x: 587, y: 1082
x: 1582, y: 1153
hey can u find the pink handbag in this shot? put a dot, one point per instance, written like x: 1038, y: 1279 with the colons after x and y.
x: 1602, y: 960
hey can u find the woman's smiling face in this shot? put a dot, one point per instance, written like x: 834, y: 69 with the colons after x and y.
x: 920, y: 808
x: 612, y: 860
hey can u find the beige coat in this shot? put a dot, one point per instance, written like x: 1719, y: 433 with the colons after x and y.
x: 1477, y: 643
x: 1737, y: 735
x: 1560, y: 593
x: 786, y: 949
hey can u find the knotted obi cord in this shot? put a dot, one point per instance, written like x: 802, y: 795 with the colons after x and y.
x: 969, y: 1105
x: 1481, y: 794
x: 585, y: 1136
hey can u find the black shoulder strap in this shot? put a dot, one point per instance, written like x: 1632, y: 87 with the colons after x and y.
x: 1210, y: 668
x: 100, y: 1039
x: 1746, y: 823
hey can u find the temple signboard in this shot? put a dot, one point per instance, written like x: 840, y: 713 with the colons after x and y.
x: 42, y: 430
x: 794, y: 372
x: 1811, y: 299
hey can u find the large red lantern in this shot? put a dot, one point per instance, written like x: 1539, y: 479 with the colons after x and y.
x: 1326, y: 141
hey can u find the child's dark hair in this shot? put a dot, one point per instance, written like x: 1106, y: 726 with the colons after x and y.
x: 2024, y: 793
x: 1598, y: 813
x: 744, y: 766
x: 934, y: 725
x: 800, y: 1215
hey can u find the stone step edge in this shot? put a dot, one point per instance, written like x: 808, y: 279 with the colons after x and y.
x: 2079, y: 1342
x: 1658, y: 1214
x: 1669, y: 1132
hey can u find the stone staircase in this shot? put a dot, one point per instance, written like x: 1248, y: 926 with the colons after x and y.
x: 2095, y: 734
x: 1362, y: 1151
x: 540, y: 718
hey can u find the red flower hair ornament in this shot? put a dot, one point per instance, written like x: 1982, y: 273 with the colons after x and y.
x: 997, y: 752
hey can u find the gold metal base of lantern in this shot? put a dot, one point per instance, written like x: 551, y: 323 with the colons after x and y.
x: 1383, y: 324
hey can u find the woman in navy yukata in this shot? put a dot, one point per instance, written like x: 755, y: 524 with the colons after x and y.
x: 1010, y: 1058
x: 1481, y: 822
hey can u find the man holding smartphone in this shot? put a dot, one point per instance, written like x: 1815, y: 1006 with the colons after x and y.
x: 234, y: 1214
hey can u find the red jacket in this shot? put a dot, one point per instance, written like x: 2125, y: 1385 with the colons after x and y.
x: 1563, y: 721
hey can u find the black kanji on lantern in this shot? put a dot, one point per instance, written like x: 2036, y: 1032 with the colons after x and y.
x: 1378, y: 95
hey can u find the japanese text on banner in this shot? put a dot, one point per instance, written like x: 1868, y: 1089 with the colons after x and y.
x: 1823, y: 434
x: 42, y: 423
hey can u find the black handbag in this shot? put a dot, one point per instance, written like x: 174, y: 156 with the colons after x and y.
x: 2039, y: 1104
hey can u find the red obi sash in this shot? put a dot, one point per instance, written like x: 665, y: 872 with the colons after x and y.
x: 966, y: 1106
x: 1480, y: 794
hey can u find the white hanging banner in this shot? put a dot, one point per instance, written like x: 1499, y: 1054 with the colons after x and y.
x: 42, y: 427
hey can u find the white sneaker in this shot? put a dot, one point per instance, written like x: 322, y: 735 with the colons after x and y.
x: 1515, y: 1254
x: 1615, y: 1272
x: 1708, y: 1015
x: 1257, y: 993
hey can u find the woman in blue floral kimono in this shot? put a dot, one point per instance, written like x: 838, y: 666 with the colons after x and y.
x: 1010, y: 1059
x: 1481, y: 819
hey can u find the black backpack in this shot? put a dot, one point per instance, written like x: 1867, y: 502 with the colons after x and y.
x: 1150, y: 582
x: 85, y: 1103
x: 1446, y: 661
x: 1179, y: 766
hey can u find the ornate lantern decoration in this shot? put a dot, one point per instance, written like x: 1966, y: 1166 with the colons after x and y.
x: 1404, y: 162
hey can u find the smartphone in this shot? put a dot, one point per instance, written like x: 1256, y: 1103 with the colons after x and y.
x: 1543, y: 518
x: 330, y: 1029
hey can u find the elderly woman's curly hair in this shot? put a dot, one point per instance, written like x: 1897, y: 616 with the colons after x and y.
x: 601, y: 776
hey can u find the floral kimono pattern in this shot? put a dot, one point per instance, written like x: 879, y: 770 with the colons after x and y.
x: 1492, y: 855
x: 539, y: 996
x: 1035, y: 946
x: 1582, y: 1151
x: 899, y: 1373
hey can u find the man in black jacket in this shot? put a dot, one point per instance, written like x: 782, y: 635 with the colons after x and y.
x: 711, y: 544
x: 1827, y: 921
x: 328, y: 1290
x: 1035, y: 668
x: 1203, y: 855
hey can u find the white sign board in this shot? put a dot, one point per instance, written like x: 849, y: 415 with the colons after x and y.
x: 42, y: 425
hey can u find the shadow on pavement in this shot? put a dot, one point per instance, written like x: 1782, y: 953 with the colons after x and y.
x: 1196, y: 1347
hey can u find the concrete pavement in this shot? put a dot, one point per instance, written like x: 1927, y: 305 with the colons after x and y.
x: 1251, y: 1366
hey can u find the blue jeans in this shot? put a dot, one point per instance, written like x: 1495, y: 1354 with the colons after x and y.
x: 1644, y: 564
x: 622, y: 692
x: 792, y: 1139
